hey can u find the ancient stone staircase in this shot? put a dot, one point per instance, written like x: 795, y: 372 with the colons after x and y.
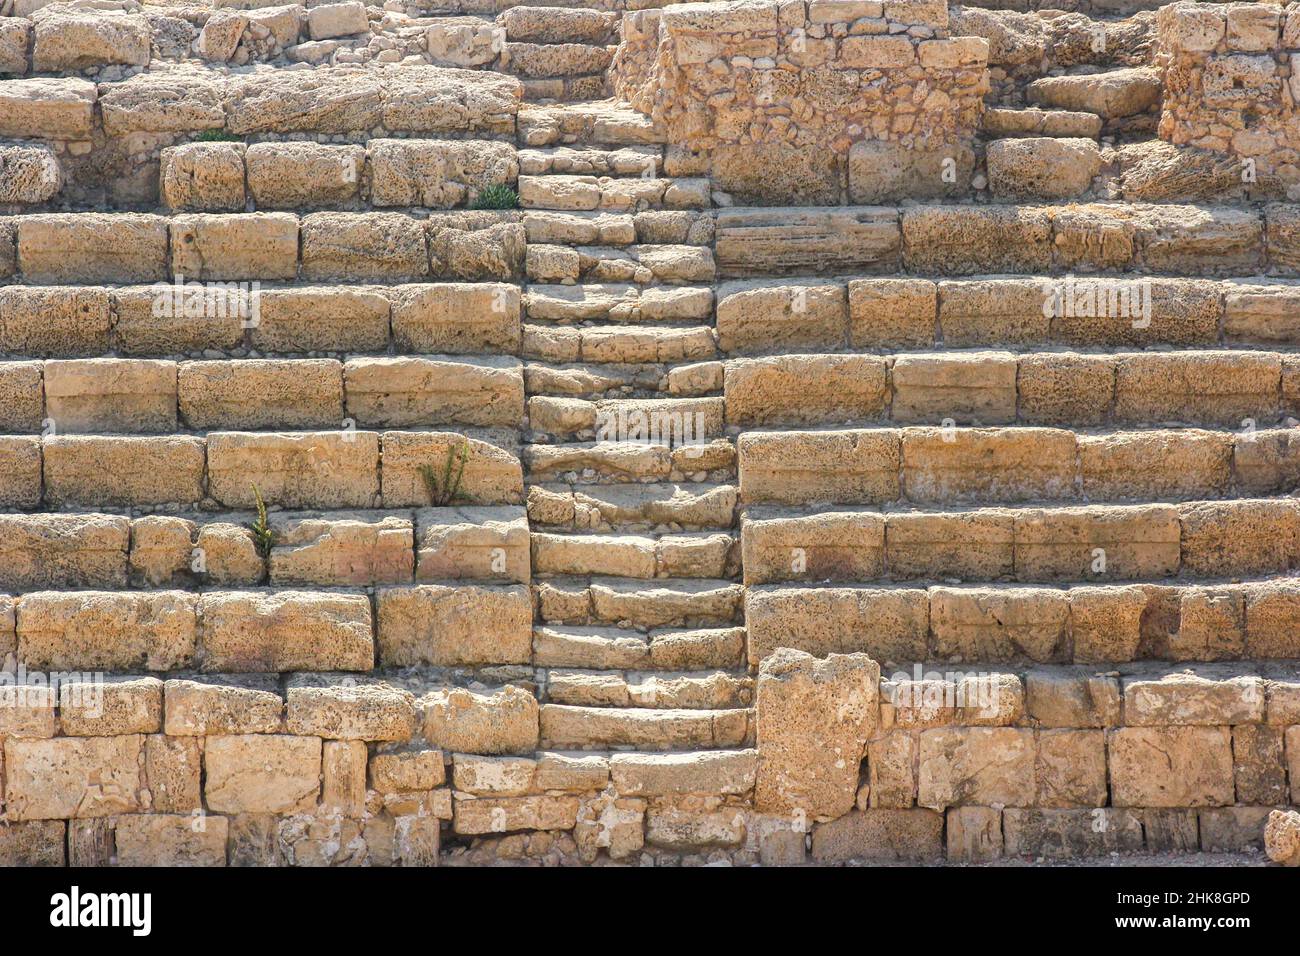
x: 682, y: 433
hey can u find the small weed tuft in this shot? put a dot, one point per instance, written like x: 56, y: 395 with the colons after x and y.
x: 217, y: 136
x: 263, y: 536
x: 496, y: 196
x: 443, y: 492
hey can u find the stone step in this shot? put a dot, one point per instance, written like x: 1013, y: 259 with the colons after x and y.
x: 1092, y: 623
x: 677, y: 421
x: 1226, y: 388
x: 633, y: 507
x: 650, y: 264
x: 652, y: 377
x: 549, y: 61
x: 689, y: 603
x: 1112, y: 94
x: 568, y: 193
x: 603, y: 228
x: 592, y: 161
x: 675, y: 691
x: 895, y: 467
x: 614, y: 648
x: 1036, y: 122
x: 561, y: 22
x: 604, y: 122
x: 336, y: 469
x: 1095, y: 543
x: 678, y: 556
x: 617, y: 302
x: 616, y: 462
x: 602, y: 728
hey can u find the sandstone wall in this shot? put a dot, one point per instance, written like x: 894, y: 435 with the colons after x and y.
x: 1232, y: 84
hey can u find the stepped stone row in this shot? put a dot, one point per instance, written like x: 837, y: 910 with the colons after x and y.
x: 1084, y: 624
x: 169, y: 319
x: 1229, y: 538
x: 310, y: 469
x: 270, y: 631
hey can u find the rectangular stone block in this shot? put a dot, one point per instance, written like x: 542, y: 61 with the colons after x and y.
x: 1239, y: 537
x: 1070, y: 390
x: 301, y: 470
x: 155, y: 320
x: 1067, y: 834
x: 107, y: 630
x: 341, y: 548
x: 246, y: 246
x: 261, y: 393
x: 973, y: 545
x: 1170, y: 766
x: 492, y: 474
x: 968, y: 388
x: 58, y: 108
x: 1092, y: 542
x: 999, y: 624
x: 400, y: 392
x: 889, y: 624
x: 849, y: 467
x: 828, y: 241
x: 288, y: 175
x: 111, y: 395
x: 457, y: 318
x: 983, y: 312
x: 338, y: 245
x: 123, y: 470
x: 92, y: 247
x: 286, y: 631
x: 961, y: 240
x: 833, y: 546
x: 1055, y: 697
x: 503, y: 814
x: 322, y: 319
x: 1204, y: 387
x: 155, y: 839
x: 1188, y: 699
x: 222, y: 705
x: 488, y: 543
x: 805, y: 389
x: 237, y: 781
x: 21, y: 395
x: 979, y: 766
x: 20, y: 471
x: 1005, y: 464
x: 340, y: 708
x: 62, y: 551
x: 767, y: 316
x: 914, y: 835
x: 1156, y: 464
x: 54, y: 321
x: 892, y: 313
x: 108, y: 708
x: 73, y: 777
x: 447, y: 626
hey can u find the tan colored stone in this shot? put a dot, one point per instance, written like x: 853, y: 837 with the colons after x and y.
x: 443, y: 625
x: 286, y: 630
x: 262, y: 773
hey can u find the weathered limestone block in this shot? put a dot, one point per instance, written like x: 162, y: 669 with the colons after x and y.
x: 1005, y: 464
x: 1232, y: 829
x: 493, y: 776
x: 337, y: 20
x: 404, y: 391
x: 889, y: 625
x: 62, y: 551
x: 441, y: 625
x: 462, y: 41
x: 766, y: 316
x: 29, y: 708
x: 892, y: 313
x: 851, y: 467
x: 119, y: 705
x: 476, y: 245
x: 407, y: 771
x: 261, y: 773
x: 975, y: 312
x: 1065, y: 834
x: 341, y: 548
x: 1242, y: 536
x: 173, y: 767
x: 886, y: 172
x: 974, y: 834
x: 976, y: 765
x: 1181, y: 699
x: 1071, y: 698
x: 220, y: 36
x: 203, y: 177
x: 172, y: 101
x: 55, y: 321
x: 1106, y: 623
x: 1259, y: 763
x: 879, y: 834
x: 323, y: 100
x: 976, y: 545
x: 47, y: 107
x: 154, y: 320
x: 105, y: 470
x: 438, y: 174
x: 492, y: 473
x: 34, y: 843
x: 1282, y: 837
x: 1073, y: 390
x: 767, y: 242
x: 73, y: 777
x: 1271, y: 611
x: 831, y: 546
x: 805, y: 389
x: 66, y: 39
x: 20, y: 471
x: 814, y: 718
x: 111, y: 395
x: 1204, y: 387
x: 15, y: 41
x: 501, y: 722
x: 1170, y: 766
x: 339, y: 245
x: 1042, y: 167
x: 345, y: 708
x: 503, y: 814
x: 286, y: 630
x: 1260, y: 314
x: 303, y: 175
x: 301, y: 470
x: 92, y: 247
x: 1091, y: 542
x: 706, y: 772
x: 322, y: 319
x: 262, y: 393
x: 222, y: 705
x: 1148, y: 464
x: 998, y: 624
x: 428, y: 99
x: 262, y: 246
x: 1199, y: 240
x: 155, y: 839
x: 490, y: 543
x: 28, y: 173
x: 457, y: 318
x: 965, y: 388
x: 960, y: 240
